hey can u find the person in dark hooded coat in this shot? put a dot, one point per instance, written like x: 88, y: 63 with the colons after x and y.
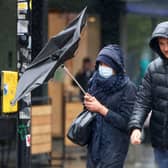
x: 153, y: 96
x: 111, y: 95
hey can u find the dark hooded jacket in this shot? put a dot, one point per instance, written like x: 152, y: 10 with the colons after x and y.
x: 109, y: 142
x: 153, y: 94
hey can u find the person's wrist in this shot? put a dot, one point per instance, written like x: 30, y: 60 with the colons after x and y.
x: 103, y: 110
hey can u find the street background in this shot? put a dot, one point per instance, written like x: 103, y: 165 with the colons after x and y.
x: 54, y: 105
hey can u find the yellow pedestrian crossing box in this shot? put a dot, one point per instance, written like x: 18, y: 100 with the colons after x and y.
x: 9, y: 80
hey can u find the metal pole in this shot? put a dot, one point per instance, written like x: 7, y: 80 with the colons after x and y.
x: 73, y: 78
x: 23, y: 59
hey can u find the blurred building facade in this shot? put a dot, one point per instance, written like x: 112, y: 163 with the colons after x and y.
x: 126, y: 22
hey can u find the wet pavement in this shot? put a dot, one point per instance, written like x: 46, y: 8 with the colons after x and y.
x: 140, y: 156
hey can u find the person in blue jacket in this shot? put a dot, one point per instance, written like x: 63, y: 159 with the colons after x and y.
x: 111, y: 95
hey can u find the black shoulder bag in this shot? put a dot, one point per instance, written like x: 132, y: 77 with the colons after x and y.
x: 80, y: 129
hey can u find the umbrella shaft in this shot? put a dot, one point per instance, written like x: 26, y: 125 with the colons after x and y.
x: 68, y: 72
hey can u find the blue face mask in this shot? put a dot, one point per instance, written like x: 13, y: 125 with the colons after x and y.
x: 105, y: 71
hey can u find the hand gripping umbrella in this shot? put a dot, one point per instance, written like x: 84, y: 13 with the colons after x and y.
x: 58, y: 49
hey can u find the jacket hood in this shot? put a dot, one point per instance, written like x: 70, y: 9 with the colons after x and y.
x: 112, y: 55
x: 161, y: 30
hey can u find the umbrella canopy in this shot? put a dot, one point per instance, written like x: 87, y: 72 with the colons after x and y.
x: 58, y: 49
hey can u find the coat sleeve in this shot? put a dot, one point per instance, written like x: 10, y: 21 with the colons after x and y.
x: 120, y: 118
x: 143, y: 102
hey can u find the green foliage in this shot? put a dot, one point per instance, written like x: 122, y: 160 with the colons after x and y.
x: 139, y: 29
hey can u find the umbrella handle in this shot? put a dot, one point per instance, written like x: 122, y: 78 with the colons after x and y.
x: 73, y: 78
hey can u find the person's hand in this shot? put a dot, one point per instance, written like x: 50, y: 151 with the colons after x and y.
x: 93, y: 105
x: 136, y: 137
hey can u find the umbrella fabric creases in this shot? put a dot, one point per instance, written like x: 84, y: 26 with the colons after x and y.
x: 57, y: 50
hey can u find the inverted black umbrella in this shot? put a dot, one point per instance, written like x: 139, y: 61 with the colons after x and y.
x: 58, y: 49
